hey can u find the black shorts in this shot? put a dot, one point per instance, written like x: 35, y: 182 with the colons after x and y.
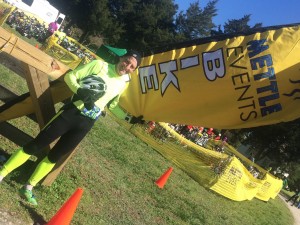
x: 69, y: 126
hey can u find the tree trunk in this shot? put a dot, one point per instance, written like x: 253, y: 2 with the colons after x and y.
x: 259, y: 154
x: 84, y: 36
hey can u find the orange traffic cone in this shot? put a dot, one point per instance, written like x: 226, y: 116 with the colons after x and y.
x: 65, y: 213
x: 163, y: 179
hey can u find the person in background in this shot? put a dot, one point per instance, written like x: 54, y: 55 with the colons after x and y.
x: 94, y: 86
x: 218, y: 137
x: 151, y: 126
x: 294, y: 197
x: 52, y: 27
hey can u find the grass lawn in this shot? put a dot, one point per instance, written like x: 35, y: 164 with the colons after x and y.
x: 117, y: 173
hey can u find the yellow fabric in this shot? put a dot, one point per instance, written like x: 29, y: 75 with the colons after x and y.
x: 243, y: 81
x: 270, y: 188
x: 238, y: 184
x: 233, y: 180
x: 224, y: 174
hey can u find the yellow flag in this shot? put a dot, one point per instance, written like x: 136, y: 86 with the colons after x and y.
x: 231, y: 82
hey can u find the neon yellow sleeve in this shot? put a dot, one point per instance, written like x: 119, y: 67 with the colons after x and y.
x: 116, y: 109
x: 72, y: 77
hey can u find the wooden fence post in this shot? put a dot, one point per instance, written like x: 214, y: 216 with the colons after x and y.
x: 39, y: 88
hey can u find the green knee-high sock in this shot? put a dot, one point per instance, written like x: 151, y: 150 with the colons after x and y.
x: 16, y: 160
x: 42, y: 169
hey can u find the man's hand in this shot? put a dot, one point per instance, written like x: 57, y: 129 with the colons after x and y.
x: 87, y: 95
x: 89, y: 105
x: 135, y: 120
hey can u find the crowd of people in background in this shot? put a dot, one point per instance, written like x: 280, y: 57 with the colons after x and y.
x: 196, y: 134
x: 201, y: 135
x: 30, y: 27
x: 208, y: 138
x: 64, y: 40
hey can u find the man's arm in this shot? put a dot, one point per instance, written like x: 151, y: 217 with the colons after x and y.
x: 73, y: 77
x: 119, y: 112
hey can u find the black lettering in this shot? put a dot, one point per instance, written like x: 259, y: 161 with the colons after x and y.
x: 247, y: 106
x: 234, y: 62
x: 241, y: 78
x: 246, y: 88
x: 248, y: 115
x: 234, y: 50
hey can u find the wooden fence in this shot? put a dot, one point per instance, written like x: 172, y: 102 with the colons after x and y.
x: 43, y: 76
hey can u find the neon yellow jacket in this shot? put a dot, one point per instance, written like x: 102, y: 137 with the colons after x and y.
x: 116, y: 84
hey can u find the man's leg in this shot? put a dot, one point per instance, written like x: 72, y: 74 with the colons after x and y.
x: 43, y: 168
x: 67, y: 142
x: 16, y: 160
x: 53, y: 130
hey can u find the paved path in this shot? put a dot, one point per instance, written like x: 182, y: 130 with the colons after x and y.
x: 294, y: 210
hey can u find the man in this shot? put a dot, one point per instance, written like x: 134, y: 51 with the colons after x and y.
x: 52, y: 27
x: 94, y: 86
x: 294, y: 197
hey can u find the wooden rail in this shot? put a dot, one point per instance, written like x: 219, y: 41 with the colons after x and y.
x: 43, y: 75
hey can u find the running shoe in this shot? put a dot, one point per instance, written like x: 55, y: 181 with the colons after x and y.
x: 28, y: 196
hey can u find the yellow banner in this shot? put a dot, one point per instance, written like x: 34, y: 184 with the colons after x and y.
x: 238, y: 184
x: 224, y: 174
x: 235, y: 82
x: 270, y: 188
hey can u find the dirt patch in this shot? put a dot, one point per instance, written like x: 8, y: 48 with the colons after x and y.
x: 10, y: 218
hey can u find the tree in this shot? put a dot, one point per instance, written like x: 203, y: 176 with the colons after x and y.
x: 139, y: 24
x: 147, y: 23
x: 92, y: 17
x: 195, y: 22
x: 236, y: 26
x: 280, y: 142
x: 240, y: 25
x: 294, y: 175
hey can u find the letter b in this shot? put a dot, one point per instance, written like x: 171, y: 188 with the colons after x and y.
x: 213, y: 63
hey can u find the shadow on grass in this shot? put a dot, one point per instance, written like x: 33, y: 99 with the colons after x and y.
x: 20, y: 176
x: 3, y: 155
x: 37, y: 218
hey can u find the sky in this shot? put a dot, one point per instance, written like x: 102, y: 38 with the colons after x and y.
x: 267, y: 12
